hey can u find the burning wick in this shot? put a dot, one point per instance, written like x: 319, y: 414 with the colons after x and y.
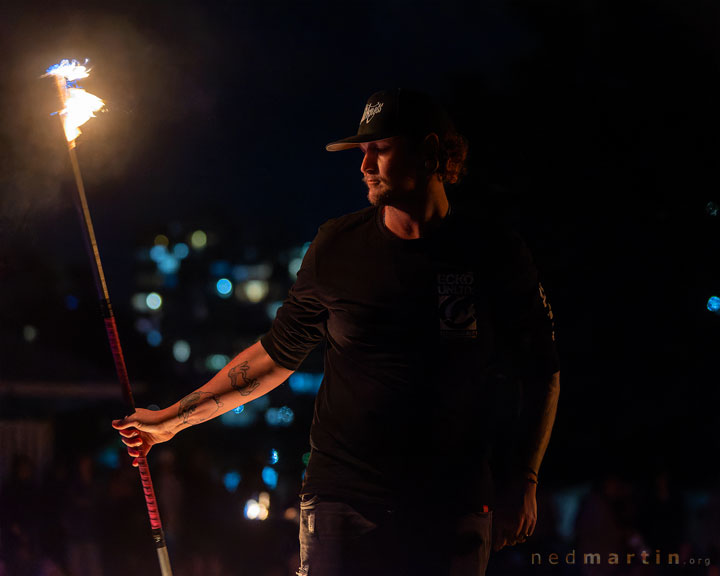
x: 78, y: 105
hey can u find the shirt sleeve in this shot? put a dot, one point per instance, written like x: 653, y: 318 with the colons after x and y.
x: 300, y: 324
x: 523, y: 315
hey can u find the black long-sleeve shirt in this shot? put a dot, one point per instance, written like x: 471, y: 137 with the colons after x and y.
x: 416, y: 333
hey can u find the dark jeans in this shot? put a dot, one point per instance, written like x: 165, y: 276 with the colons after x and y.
x: 342, y: 539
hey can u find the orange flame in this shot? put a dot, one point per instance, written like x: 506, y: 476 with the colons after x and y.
x: 78, y: 105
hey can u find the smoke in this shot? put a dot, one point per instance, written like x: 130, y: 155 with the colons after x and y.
x: 142, y: 76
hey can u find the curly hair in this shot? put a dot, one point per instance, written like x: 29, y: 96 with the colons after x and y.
x: 452, y: 156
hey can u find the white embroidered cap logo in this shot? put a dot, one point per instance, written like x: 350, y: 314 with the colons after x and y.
x: 370, y: 111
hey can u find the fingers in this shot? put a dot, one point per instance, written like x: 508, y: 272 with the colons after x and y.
x: 137, y: 453
x: 132, y: 441
x: 516, y: 532
x: 523, y: 529
x: 137, y: 448
x: 531, y: 526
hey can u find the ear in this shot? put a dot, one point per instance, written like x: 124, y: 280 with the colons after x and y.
x: 430, y: 148
x: 430, y: 153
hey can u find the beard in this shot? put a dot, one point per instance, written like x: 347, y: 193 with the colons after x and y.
x: 381, y: 194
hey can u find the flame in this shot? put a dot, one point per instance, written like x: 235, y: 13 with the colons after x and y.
x: 79, y: 105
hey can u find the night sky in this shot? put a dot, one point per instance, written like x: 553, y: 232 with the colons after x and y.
x: 593, y: 131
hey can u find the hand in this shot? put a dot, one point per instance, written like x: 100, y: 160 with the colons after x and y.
x: 515, y: 520
x: 141, y: 430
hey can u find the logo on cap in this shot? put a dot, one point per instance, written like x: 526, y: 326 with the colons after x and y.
x: 370, y: 111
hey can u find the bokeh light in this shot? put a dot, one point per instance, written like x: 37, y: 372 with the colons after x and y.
x: 30, y: 333
x: 181, y: 251
x: 270, y: 477
x: 231, y: 480
x: 109, y: 457
x: 143, y: 325
x: 216, y: 362
x: 220, y: 268
x: 154, y: 338
x: 305, y: 382
x: 294, y: 267
x: 279, y: 416
x: 181, y: 351
x: 224, y: 287
x: 198, y: 240
x: 71, y: 302
x: 153, y: 301
x: 713, y: 304
x: 169, y: 264
x: 258, y: 509
x: 272, y: 309
x: 253, y: 291
x: 158, y: 253
x: 252, y: 510
x: 274, y: 456
x: 139, y: 302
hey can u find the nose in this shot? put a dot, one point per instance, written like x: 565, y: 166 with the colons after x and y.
x: 369, y: 163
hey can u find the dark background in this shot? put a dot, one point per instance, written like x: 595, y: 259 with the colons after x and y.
x: 593, y: 130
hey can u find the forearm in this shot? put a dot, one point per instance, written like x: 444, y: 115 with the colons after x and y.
x: 249, y: 375
x: 541, y: 402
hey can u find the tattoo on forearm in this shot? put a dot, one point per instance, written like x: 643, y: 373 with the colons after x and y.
x: 190, y: 404
x: 248, y: 384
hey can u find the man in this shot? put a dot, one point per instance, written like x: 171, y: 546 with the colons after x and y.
x: 425, y: 315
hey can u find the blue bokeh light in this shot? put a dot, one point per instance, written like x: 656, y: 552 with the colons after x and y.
x: 154, y: 338
x: 270, y: 477
x: 181, y: 250
x: 109, y: 457
x: 158, y: 253
x: 274, y: 456
x: 272, y: 309
x: 169, y: 265
x: 713, y: 304
x: 286, y: 415
x: 242, y: 419
x: 71, y: 302
x: 240, y: 273
x: 239, y: 409
x: 224, y: 287
x: 305, y: 382
x: 220, y: 268
x: 231, y: 480
x: 279, y: 416
x: 216, y: 362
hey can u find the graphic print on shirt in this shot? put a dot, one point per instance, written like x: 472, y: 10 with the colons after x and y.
x: 456, y: 305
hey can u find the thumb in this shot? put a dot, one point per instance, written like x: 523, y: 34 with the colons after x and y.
x: 123, y: 423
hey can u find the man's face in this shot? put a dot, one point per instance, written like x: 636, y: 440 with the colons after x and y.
x: 390, y: 170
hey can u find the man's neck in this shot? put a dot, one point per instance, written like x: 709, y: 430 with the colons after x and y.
x: 411, y: 221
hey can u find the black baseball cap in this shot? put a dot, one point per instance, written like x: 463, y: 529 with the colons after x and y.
x: 396, y: 112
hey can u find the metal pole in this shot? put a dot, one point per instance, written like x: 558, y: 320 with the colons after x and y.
x: 120, y: 368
